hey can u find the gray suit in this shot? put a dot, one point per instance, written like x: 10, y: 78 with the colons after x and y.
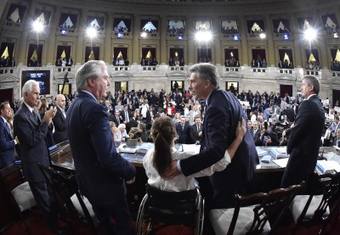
x: 32, y: 133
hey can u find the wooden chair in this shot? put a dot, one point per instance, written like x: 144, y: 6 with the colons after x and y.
x: 15, y: 195
x: 321, y: 205
x: 253, y: 213
x: 71, y: 204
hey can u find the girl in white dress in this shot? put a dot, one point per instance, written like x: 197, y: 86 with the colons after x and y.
x: 157, y: 160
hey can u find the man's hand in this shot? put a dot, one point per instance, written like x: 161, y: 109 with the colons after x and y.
x: 49, y: 115
x: 171, y: 171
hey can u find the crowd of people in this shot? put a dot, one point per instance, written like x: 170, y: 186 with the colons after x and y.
x: 259, y: 62
x: 7, y: 62
x: 96, y: 121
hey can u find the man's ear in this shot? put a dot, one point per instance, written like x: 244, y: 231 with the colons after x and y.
x: 90, y: 82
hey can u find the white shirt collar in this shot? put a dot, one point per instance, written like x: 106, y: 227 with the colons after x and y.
x: 31, y: 109
x: 5, y: 121
x: 206, y: 100
x: 87, y: 92
x: 310, y: 96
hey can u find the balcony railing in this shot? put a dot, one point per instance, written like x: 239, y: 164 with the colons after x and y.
x: 232, y: 69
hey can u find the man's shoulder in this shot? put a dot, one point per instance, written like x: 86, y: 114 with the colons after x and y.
x: 21, y: 111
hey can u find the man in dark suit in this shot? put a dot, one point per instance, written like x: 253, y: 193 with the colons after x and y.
x: 196, y: 130
x: 32, y: 132
x: 7, y: 143
x: 305, y: 135
x: 222, y: 114
x: 59, y: 120
x: 100, y: 171
x: 183, y: 131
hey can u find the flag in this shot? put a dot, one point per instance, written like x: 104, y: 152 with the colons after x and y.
x: 256, y: 28
x: 330, y: 23
x: 306, y: 24
x: 91, y: 55
x: 15, y: 17
x: 337, y: 56
x: 68, y: 23
x: 286, y: 58
x: 5, y: 54
x: 148, y: 55
x: 281, y: 27
x: 311, y: 58
x: 94, y: 23
x: 41, y: 18
x: 149, y: 27
x: 34, y: 56
x: 63, y: 55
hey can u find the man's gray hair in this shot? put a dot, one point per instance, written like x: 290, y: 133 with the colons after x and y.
x: 313, y: 81
x: 92, y: 68
x: 28, y: 86
x: 205, y: 71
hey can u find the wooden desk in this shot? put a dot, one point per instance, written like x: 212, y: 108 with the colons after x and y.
x: 268, y: 175
x: 61, y: 156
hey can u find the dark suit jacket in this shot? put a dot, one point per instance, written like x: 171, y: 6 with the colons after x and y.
x: 183, y: 133
x: 222, y: 114
x: 59, y: 123
x: 6, y: 145
x: 304, y: 141
x: 32, y: 140
x: 100, y: 170
x: 195, y: 133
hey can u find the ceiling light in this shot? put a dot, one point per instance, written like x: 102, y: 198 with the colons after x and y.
x: 203, y: 36
x: 91, y: 32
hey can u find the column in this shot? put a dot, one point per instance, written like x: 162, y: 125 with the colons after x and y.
x: 81, y: 35
x: 270, y: 42
x: 135, y: 42
x: 108, y: 52
x: 2, y: 7
x: 190, y: 42
x: 322, y: 50
x: 163, y: 46
x: 217, y: 41
x: 23, y: 45
x: 245, y: 59
x: 298, y: 62
x: 51, y: 39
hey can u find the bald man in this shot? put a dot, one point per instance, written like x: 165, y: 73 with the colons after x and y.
x: 60, y: 133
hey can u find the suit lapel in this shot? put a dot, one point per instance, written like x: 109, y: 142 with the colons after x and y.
x: 6, y: 126
x: 30, y: 115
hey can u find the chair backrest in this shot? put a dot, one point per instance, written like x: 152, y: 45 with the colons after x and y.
x: 62, y: 189
x: 328, y: 185
x: 267, y: 206
x: 10, y: 177
x: 172, y: 207
x: 64, y: 186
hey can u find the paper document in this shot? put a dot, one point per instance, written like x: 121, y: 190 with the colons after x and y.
x: 281, y: 162
x: 324, y: 166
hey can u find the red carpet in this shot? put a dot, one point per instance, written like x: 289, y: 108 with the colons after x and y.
x: 34, y: 224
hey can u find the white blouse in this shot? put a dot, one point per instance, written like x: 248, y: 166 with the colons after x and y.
x: 180, y: 182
